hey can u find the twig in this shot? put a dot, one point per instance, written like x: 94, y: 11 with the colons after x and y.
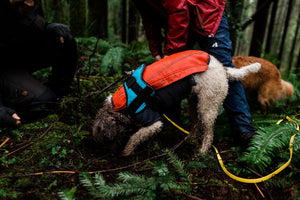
x: 259, y: 190
x: 258, y: 174
x: 179, y: 144
x: 89, y: 64
x: 41, y: 173
x: 93, y: 172
x: 26, y: 145
x: 106, y: 88
x: 188, y: 195
x: 3, y: 143
x: 93, y: 53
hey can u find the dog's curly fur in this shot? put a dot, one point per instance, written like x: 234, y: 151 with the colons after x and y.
x: 266, y: 85
x: 210, y: 91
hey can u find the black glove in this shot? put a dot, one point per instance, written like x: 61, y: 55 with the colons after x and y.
x: 58, y: 30
x: 6, y: 118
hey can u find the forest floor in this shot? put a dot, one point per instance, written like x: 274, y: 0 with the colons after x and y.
x: 49, y: 158
x: 42, y: 159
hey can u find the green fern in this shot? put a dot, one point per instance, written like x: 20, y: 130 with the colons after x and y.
x: 179, y: 167
x: 67, y: 194
x: 267, y: 144
x: 112, y: 60
x: 128, y: 186
x: 103, y: 46
x: 86, y: 45
x: 91, y: 186
x: 260, y: 120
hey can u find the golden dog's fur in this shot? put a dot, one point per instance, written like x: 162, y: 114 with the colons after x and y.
x: 266, y: 85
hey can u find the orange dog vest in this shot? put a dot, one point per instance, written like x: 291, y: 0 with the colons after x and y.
x: 165, y: 72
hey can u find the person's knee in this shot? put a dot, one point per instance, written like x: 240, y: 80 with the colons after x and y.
x: 46, y: 102
x: 41, y: 106
x: 47, y: 96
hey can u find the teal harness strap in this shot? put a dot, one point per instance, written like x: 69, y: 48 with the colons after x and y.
x: 138, y: 92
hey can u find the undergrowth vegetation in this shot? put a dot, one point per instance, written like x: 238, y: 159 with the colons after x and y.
x: 55, y: 157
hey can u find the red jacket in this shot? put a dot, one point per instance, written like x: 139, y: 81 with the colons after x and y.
x: 175, y: 16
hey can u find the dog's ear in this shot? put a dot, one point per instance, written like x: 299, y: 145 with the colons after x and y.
x: 111, y: 130
x: 96, y: 128
x: 109, y: 124
x: 104, y: 125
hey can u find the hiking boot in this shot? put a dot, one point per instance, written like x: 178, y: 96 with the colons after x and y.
x: 245, y: 139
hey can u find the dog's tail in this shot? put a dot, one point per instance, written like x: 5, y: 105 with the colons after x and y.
x: 238, y: 74
x: 287, y: 89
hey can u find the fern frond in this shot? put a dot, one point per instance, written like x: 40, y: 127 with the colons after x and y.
x: 134, y: 186
x: 103, y: 46
x: 262, y: 121
x: 112, y: 60
x: 128, y: 185
x: 266, y: 144
x: 126, y: 177
x: 179, y: 167
x: 67, y: 194
x: 91, y: 186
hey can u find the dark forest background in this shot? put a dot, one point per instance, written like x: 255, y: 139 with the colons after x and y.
x: 261, y: 28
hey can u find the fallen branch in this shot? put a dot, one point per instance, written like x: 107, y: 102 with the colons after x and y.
x: 106, y: 88
x: 187, y: 195
x: 5, y: 141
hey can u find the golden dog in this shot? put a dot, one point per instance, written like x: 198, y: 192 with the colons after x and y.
x: 266, y: 85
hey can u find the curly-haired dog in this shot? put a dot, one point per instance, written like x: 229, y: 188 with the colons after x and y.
x: 182, y: 75
x: 266, y: 85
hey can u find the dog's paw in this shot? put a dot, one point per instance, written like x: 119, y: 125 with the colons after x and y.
x: 126, y: 153
x: 204, y: 149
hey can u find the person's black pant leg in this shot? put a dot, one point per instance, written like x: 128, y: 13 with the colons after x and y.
x: 22, y: 92
x: 64, y: 64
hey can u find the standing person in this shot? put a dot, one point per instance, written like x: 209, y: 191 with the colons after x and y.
x: 185, y: 23
x: 27, y: 44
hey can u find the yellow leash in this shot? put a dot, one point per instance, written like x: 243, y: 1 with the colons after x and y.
x: 246, y: 180
x: 291, y: 120
x: 186, y: 132
x: 256, y: 180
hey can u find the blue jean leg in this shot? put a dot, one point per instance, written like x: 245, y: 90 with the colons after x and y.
x: 235, y: 104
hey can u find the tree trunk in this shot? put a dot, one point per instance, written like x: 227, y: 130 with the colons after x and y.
x: 271, y: 26
x: 114, y: 20
x: 124, y: 20
x: 78, y: 18
x: 97, y: 18
x: 234, y: 14
x: 291, y: 67
x: 259, y: 29
x: 297, y: 70
x: 293, y: 43
x: 133, y: 23
x: 285, y: 30
x: 55, y: 6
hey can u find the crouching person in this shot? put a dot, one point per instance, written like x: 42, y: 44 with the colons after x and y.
x: 27, y: 44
